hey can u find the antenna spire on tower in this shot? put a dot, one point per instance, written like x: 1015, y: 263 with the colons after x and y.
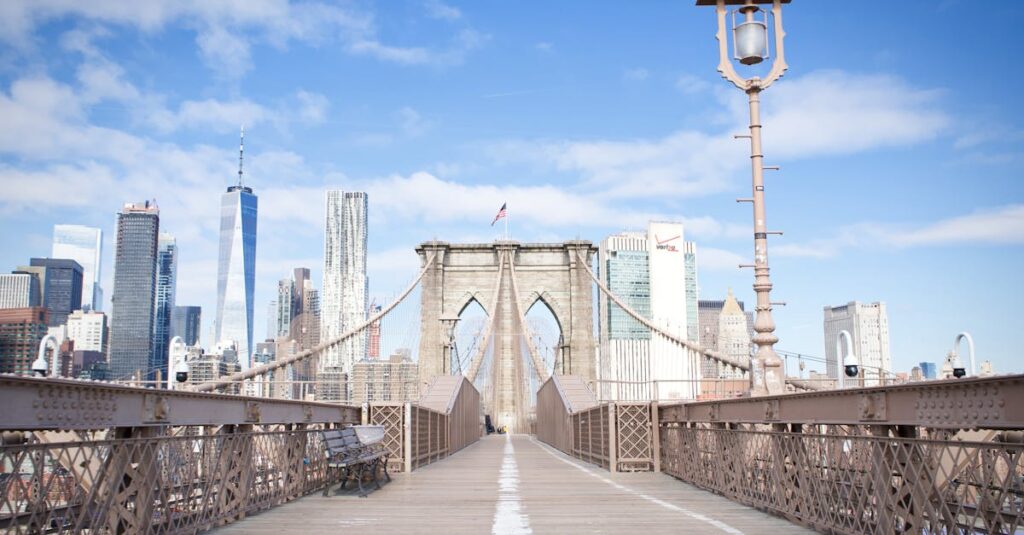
x: 241, y: 150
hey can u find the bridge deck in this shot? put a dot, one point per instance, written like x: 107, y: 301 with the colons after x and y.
x: 514, y: 484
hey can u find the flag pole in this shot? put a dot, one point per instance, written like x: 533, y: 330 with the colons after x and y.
x: 507, y: 237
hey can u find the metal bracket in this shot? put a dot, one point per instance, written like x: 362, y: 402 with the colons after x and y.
x: 155, y: 408
x: 713, y: 412
x: 252, y: 411
x: 872, y: 407
x: 307, y: 413
x: 771, y: 410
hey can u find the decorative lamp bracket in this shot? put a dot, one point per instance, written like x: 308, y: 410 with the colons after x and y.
x: 725, y: 67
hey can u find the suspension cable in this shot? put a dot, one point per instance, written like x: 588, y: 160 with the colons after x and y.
x: 477, y: 360
x: 714, y: 355
x: 223, y: 382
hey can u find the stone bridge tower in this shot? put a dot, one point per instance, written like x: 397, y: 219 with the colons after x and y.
x: 462, y: 273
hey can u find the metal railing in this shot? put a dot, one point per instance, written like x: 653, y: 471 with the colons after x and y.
x: 444, y: 421
x: 932, y: 457
x: 89, y: 456
x: 614, y: 435
x: 98, y: 457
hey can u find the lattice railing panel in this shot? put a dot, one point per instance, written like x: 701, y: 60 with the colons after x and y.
x: 856, y: 483
x: 392, y: 417
x: 165, y: 484
x: 633, y: 434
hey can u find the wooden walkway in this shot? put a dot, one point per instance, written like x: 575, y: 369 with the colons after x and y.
x: 515, y: 484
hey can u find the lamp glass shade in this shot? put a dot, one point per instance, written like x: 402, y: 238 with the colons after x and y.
x: 750, y: 40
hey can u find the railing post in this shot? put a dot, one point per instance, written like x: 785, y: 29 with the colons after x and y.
x: 613, y: 444
x: 407, y: 426
x: 655, y: 437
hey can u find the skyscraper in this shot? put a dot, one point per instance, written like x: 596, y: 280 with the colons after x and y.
x: 373, y: 349
x: 868, y: 325
x: 733, y: 334
x: 21, y: 330
x: 134, y: 299
x: 708, y: 312
x: 186, y: 322
x: 166, y: 282
x: 236, y: 267
x: 85, y: 246
x: 692, y: 321
x: 19, y: 290
x: 283, y: 313
x: 61, y: 288
x: 655, y: 273
x: 343, y: 301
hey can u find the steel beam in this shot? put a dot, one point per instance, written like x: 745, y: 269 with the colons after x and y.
x: 31, y: 403
x: 987, y: 403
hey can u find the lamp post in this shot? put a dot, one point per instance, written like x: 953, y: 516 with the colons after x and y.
x: 750, y: 42
x: 849, y: 367
x: 40, y: 367
x: 958, y: 367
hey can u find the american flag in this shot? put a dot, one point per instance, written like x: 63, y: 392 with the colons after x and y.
x: 501, y: 213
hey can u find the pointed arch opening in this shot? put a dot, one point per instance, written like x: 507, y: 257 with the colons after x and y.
x: 546, y: 333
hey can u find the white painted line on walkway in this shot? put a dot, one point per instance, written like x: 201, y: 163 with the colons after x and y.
x: 508, y: 513
x: 696, y: 516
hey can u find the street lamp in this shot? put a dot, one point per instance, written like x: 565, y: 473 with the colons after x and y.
x: 750, y: 40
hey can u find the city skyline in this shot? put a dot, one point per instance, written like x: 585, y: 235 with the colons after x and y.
x: 556, y: 137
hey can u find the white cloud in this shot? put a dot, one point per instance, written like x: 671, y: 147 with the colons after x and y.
x: 712, y: 259
x: 832, y: 112
x: 226, y: 52
x: 218, y: 115
x: 692, y: 85
x: 226, y: 31
x: 411, y: 122
x: 440, y: 10
x: 544, y: 46
x: 820, y: 114
x: 1002, y: 225
x: 312, y: 107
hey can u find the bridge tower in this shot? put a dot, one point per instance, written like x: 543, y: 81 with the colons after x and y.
x: 507, y: 278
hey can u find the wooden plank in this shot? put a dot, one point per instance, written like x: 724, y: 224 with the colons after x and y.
x: 460, y: 494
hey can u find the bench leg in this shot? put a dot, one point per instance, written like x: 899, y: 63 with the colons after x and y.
x: 376, y: 473
x: 346, y: 473
x: 359, y: 480
x: 387, y: 476
x: 327, y: 485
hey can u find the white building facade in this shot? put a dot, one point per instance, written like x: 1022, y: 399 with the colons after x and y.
x: 649, y: 271
x: 868, y: 325
x: 343, y: 296
x: 88, y: 330
x: 18, y: 289
x: 85, y: 246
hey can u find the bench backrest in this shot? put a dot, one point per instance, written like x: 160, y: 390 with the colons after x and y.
x: 340, y: 440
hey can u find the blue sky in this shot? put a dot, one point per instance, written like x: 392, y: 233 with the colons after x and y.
x: 896, y: 127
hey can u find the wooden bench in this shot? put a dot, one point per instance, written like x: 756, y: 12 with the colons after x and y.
x: 347, y: 453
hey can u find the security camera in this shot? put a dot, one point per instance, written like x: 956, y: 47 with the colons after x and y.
x: 851, y: 370
x: 959, y: 372
x: 181, y: 377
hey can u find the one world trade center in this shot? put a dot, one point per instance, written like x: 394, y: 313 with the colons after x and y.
x: 236, y: 267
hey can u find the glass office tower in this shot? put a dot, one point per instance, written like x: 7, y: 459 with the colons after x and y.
x: 236, y: 270
x: 133, y: 301
x: 85, y: 246
x: 166, y: 278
